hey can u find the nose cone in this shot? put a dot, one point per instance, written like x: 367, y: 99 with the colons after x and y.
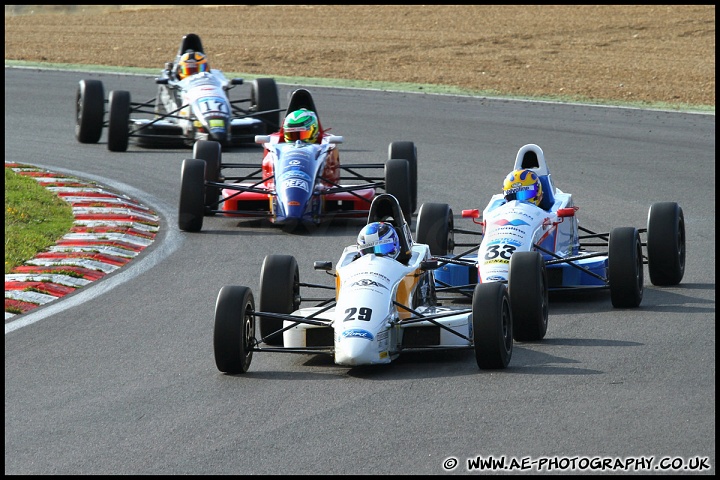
x: 219, y: 134
x: 357, y: 347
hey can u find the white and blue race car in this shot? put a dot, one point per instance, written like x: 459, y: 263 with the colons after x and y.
x: 548, y: 240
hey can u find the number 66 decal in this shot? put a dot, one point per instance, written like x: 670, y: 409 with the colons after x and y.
x: 364, y: 314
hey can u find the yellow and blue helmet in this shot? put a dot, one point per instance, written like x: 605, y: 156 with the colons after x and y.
x: 523, y: 186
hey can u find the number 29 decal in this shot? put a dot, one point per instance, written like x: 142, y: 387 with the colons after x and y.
x: 363, y: 314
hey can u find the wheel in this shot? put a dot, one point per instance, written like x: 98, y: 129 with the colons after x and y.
x: 408, y: 151
x: 89, y: 111
x: 119, y: 120
x: 397, y: 175
x: 234, y: 332
x: 264, y: 96
x: 492, y: 325
x: 211, y: 152
x: 435, y: 228
x: 279, y: 293
x: 625, y: 267
x: 192, y: 185
x: 528, y: 288
x: 666, y: 243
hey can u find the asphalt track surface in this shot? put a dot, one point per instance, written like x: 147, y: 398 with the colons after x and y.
x: 119, y: 378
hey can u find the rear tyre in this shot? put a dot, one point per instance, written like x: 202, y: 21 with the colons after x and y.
x: 528, y: 288
x: 234, y: 332
x: 211, y: 152
x: 492, y: 325
x: 625, y: 267
x: 119, y: 120
x: 89, y: 111
x: 435, y: 228
x: 408, y: 151
x: 264, y: 96
x: 192, y: 184
x: 279, y: 293
x: 666, y: 243
x: 397, y: 183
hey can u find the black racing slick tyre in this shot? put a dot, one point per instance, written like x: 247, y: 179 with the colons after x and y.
x: 397, y: 183
x: 408, y: 151
x: 119, y: 120
x: 528, y: 288
x: 492, y: 325
x: 192, y: 195
x: 89, y: 111
x: 264, y: 96
x: 279, y: 293
x: 625, y: 267
x: 666, y: 243
x: 434, y: 228
x: 211, y: 152
x: 234, y: 332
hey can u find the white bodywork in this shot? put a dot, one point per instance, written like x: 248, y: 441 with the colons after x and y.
x: 515, y: 226
x: 367, y: 326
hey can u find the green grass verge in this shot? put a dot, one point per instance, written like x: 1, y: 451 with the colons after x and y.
x: 35, y: 218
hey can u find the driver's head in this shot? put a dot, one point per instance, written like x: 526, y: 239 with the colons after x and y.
x: 191, y: 63
x: 301, y: 125
x: 379, y: 238
x: 524, y: 186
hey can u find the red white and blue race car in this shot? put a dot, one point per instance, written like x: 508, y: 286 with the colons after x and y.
x: 185, y: 109
x: 296, y: 182
x: 547, y: 240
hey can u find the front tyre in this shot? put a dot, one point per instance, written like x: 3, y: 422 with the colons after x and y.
x: 492, y: 325
x: 264, y: 96
x: 434, y: 228
x: 192, y: 185
x: 234, y: 332
x: 279, y: 293
x: 528, y: 288
x: 89, y: 111
x: 625, y: 267
x: 666, y: 243
x: 397, y: 183
x: 211, y: 152
x: 408, y: 151
x: 119, y: 120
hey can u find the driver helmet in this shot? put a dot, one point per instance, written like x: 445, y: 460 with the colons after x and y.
x: 524, y: 186
x: 301, y: 125
x: 191, y: 63
x: 379, y: 238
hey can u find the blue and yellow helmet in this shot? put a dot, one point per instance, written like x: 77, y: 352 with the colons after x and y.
x: 523, y: 186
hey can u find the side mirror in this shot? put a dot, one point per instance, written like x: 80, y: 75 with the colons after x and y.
x: 431, y: 264
x: 236, y: 81
x: 473, y: 213
x: 262, y: 139
x: 567, y: 212
x: 162, y: 81
x: 322, y: 265
x: 335, y: 139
